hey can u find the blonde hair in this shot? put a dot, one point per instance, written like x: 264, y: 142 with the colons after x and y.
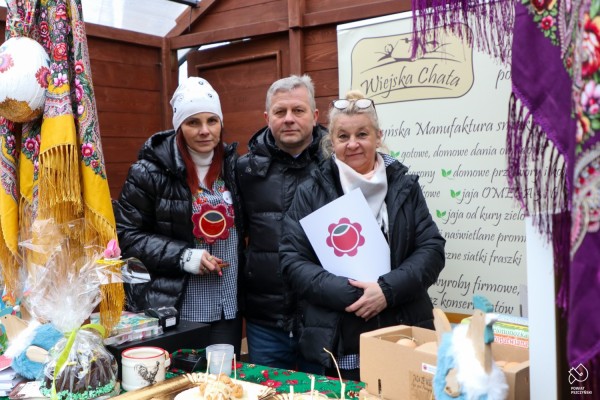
x: 354, y: 95
x: 352, y: 109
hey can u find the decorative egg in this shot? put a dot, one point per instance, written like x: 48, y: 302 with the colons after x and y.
x: 407, y: 342
x: 428, y: 347
x: 23, y: 79
x: 511, y: 365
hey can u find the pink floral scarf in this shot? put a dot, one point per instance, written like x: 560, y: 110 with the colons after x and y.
x: 553, y: 123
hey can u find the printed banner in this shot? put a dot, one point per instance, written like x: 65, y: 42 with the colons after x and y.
x: 443, y: 114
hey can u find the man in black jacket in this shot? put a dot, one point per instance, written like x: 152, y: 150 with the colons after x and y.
x: 281, y: 156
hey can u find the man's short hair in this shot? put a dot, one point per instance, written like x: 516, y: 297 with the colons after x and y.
x: 290, y: 83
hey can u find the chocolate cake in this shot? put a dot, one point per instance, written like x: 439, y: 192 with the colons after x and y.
x: 90, y: 371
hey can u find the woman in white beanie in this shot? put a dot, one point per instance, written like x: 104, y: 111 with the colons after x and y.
x: 178, y: 213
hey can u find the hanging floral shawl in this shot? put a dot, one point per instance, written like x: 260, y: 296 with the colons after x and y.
x: 554, y: 115
x: 53, y: 167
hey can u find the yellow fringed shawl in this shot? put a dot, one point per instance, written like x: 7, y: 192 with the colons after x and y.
x: 60, y: 172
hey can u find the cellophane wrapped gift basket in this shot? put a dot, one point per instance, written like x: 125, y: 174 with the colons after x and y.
x: 64, y: 284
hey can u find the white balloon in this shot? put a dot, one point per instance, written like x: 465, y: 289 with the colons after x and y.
x: 23, y: 73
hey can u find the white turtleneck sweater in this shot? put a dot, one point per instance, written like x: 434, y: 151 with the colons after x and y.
x: 202, y: 162
x: 193, y: 257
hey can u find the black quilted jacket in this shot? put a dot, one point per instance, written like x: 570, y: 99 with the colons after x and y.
x: 417, y: 258
x: 268, y: 178
x: 154, y: 218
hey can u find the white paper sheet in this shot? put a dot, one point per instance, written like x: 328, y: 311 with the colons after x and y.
x: 347, y: 238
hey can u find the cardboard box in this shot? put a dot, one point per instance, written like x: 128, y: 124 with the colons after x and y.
x: 405, y: 373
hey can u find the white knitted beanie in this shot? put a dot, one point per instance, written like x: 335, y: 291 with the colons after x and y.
x: 194, y: 95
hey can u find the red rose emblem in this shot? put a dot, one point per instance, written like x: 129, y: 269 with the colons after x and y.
x: 44, y: 31
x: 591, y: 46
x: 60, y: 52
x: 61, y: 12
x: 541, y: 5
x: 79, y: 67
x: 547, y: 22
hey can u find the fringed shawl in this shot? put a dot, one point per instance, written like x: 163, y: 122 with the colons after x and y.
x: 554, y: 115
x: 53, y: 167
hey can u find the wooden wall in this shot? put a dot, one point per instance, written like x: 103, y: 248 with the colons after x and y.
x: 127, y: 72
x: 134, y: 75
x: 307, y: 29
x: 127, y: 84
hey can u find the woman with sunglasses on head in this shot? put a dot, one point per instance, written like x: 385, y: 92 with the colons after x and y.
x: 336, y: 310
x: 178, y: 213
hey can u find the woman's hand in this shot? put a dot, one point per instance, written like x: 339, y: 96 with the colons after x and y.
x: 201, y: 262
x: 371, y: 303
x: 210, y: 264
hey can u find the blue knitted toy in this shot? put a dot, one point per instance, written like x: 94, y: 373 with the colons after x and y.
x: 460, y: 373
x: 44, y: 336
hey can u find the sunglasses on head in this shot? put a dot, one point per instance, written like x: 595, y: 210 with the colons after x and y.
x: 342, y: 104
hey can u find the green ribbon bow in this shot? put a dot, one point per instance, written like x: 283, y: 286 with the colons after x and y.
x: 64, y: 355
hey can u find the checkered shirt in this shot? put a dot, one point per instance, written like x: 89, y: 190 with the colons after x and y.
x: 349, y: 361
x: 208, y: 297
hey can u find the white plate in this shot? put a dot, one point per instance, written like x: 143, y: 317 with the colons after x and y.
x: 251, y: 392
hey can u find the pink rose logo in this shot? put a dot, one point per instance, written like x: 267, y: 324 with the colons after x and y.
x: 345, y: 238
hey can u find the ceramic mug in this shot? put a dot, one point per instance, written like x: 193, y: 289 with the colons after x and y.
x: 143, y: 366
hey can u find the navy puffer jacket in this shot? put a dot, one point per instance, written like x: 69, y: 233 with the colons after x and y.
x: 417, y: 258
x: 268, y: 178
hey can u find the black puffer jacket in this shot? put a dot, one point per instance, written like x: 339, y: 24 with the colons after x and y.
x: 154, y: 218
x: 268, y: 178
x: 417, y: 257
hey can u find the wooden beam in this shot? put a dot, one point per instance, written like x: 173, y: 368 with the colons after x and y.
x: 223, y: 35
x: 168, y: 60
x: 296, y: 9
x: 238, y: 60
x: 355, y: 12
x: 296, y: 39
x: 189, y: 17
x: 123, y: 35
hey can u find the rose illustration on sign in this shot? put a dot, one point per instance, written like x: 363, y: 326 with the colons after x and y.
x: 212, y: 223
x: 345, y: 238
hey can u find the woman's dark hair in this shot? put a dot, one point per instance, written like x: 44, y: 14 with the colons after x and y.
x: 214, y: 171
